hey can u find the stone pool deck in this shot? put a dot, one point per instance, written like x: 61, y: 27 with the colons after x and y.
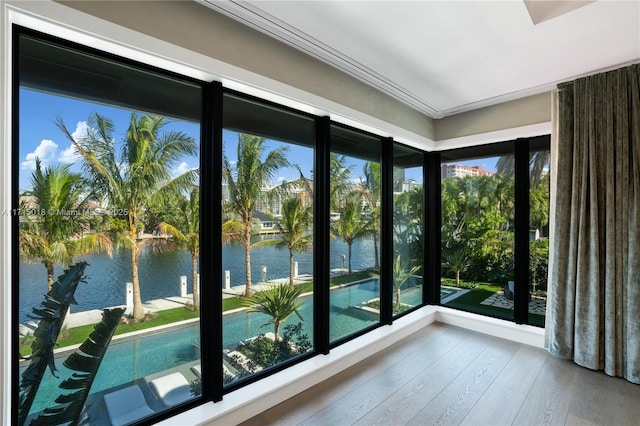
x: 498, y: 300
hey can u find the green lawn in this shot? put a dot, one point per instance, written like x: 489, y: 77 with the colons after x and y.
x: 471, y: 300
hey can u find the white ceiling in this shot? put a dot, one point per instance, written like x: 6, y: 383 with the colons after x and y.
x: 446, y: 57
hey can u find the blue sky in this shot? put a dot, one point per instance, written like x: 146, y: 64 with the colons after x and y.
x: 39, y: 136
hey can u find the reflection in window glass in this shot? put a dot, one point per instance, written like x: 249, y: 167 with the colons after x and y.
x: 539, y: 184
x: 354, y: 182
x: 108, y: 228
x: 478, y: 235
x: 408, y: 225
x: 267, y: 253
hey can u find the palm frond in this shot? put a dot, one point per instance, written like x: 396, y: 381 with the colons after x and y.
x: 50, y: 318
x: 85, y: 363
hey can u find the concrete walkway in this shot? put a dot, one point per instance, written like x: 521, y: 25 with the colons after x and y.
x: 76, y: 319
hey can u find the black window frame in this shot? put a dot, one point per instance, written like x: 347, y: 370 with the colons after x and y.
x: 211, y: 146
x: 385, y: 302
x: 206, y: 135
x: 520, y: 148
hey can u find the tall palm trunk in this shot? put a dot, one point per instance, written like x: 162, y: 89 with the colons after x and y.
x: 291, y: 267
x: 247, y: 258
x: 138, y: 313
x: 49, y: 266
x: 350, y: 258
x: 398, y: 292
x: 375, y: 250
x: 196, y: 289
x: 276, y: 333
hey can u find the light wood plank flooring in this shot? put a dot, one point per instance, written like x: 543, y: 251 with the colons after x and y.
x: 445, y: 375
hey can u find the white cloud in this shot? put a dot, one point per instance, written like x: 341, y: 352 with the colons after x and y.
x: 47, y: 152
x: 282, y: 179
x: 69, y: 155
x: 81, y: 132
x: 182, y: 169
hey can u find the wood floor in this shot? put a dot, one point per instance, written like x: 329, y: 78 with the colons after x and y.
x: 444, y: 375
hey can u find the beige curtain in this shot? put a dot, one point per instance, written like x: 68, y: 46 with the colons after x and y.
x: 593, y: 315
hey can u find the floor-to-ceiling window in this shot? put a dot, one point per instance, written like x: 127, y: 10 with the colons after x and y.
x: 106, y: 235
x: 478, y: 232
x: 267, y: 236
x: 495, y: 229
x: 109, y: 169
x: 408, y: 228
x: 354, y: 187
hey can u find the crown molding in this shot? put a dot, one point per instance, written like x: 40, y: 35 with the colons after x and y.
x: 254, y: 17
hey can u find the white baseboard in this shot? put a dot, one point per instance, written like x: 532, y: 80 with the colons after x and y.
x: 521, y: 333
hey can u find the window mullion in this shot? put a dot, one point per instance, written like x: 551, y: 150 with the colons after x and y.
x: 321, y: 236
x: 521, y: 238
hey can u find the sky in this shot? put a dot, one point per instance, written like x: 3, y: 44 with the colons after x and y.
x: 40, y: 137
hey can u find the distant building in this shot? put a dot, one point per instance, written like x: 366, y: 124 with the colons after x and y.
x: 458, y: 170
x: 406, y: 186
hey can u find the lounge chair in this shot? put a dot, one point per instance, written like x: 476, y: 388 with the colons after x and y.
x: 197, y: 370
x: 171, y: 389
x: 126, y: 405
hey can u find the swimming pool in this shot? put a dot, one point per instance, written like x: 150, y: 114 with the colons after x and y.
x: 130, y: 359
x: 127, y: 360
x: 449, y: 293
x: 344, y: 318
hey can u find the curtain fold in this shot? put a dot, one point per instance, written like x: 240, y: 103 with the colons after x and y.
x: 593, y: 315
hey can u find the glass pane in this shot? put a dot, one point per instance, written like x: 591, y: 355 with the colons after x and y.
x: 477, y: 235
x: 108, y: 192
x: 539, y: 184
x: 354, y: 183
x: 408, y: 225
x: 267, y: 245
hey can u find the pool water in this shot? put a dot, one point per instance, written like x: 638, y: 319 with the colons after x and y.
x: 449, y: 293
x: 129, y: 359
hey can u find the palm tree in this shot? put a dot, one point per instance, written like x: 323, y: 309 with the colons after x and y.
x: 538, y: 164
x: 245, y: 182
x: 339, y: 180
x: 370, y: 191
x: 350, y: 227
x: 457, y: 260
x: 293, y: 229
x: 130, y: 180
x: 400, y: 275
x: 56, y: 235
x: 279, y: 302
x: 189, y: 237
